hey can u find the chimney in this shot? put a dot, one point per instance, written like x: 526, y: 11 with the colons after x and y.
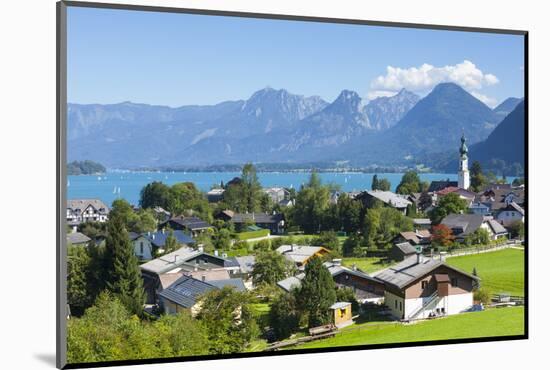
x: 418, y: 254
x: 216, y: 253
x: 354, y: 267
x: 176, y: 258
x: 337, y: 261
x: 203, y: 278
x: 292, y: 247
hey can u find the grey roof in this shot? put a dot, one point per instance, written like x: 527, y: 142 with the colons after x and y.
x: 338, y: 305
x: 409, y: 270
x: 82, y: 204
x: 422, y: 221
x: 463, y: 224
x: 259, y: 218
x: 440, y: 185
x: 186, y: 290
x: 390, y: 198
x: 246, y: 263
x: 77, y: 238
x: 236, y: 283
x: 170, y: 261
x: 298, y: 253
x: 406, y: 248
x: 497, y: 227
x: 291, y: 282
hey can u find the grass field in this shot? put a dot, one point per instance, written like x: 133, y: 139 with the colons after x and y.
x: 500, y: 271
x: 367, y: 264
x: 490, y: 323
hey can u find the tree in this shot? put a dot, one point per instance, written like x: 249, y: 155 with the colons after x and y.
x: 138, y: 222
x: 349, y: 213
x: 384, y: 184
x: 284, y: 316
x: 381, y: 226
x: 449, y: 203
x: 251, y: 188
x: 270, y: 267
x: 411, y: 210
x: 327, y: 239
x: 317, y: 293
x: 311, y: 203
x: 123, y: 274
x: 79, y: 296
x: 221, y: 239
x: 442, y: 236
x: 410, y: 183
x: 477, y: 179
x: 352, y: 246
x: 424, y: 201
x: 185, y: 198
x: 346, y: 294
x: 374, y: 185
x: 517, y: 229
x: 156, y: 194
x: 171, y: 243
x: 518, y: 181
x: 479, y: 237
x: 229, y: 323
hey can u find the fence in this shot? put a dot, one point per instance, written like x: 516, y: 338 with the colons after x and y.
x: 476, y: 250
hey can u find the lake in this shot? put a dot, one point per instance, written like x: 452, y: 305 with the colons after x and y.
x: 128, y: 185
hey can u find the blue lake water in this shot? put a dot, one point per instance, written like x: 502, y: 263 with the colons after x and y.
x: 106, y: 187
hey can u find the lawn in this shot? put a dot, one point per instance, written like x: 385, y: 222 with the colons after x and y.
x: 366, y: 264
x: 500, y: 271
x: 490, y: 323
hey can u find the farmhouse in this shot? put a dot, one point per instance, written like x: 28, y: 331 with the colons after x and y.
x: 146, y: 245
x: 389, y: 199
x: 463, y: 225
x: 510, y: 214
x: 401, y: 251
x: 192, y: 225
x: 418, y: 237
x: 300, y: 254
x: 277, y: 194
x: 77, y: 238
x: 365, y: 287
x: 86, y: 210
x: 183, y: 261
x: 420, y: 288
x: 273, y: 222
x: 185, y: 293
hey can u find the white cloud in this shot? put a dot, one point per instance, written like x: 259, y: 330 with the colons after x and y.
x: 424, y: 78
x: 491, y: 102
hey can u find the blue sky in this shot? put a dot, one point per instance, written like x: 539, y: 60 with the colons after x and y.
x: 180, y: 59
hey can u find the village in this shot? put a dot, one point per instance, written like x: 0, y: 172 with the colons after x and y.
x: 307, y: 268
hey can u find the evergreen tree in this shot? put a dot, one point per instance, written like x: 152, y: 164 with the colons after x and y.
x: 374, y: 182
x: 317, y: 293
x: 477, y: 179
x: 78, y: 293
x: 284, y: 316
x: 384, y: 185
x: 123, y: 274
x: 171, y: 243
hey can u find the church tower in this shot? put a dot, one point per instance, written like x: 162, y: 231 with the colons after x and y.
x: 463, y: 172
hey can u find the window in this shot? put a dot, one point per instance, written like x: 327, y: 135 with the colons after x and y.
x: 396, y: 304
x: 454, y: 282
x: 141, y: 247
x: 424, y: 284
x: 400, y: 306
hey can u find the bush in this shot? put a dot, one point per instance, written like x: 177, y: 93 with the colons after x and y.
x: 482, y: 295
x: 284, y: 317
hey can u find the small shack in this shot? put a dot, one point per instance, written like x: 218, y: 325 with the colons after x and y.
x: 341, y: 313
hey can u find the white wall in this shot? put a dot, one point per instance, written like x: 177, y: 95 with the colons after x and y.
x: 28, y: 78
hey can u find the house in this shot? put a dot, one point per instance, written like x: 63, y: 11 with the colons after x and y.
x: 421, y: 287
x: 418, y: 237
x: 463, y: 225
x: 275, y: 223
x: 402, y: 251
x: 193, y: 225
x: 162, y: 214
x: 246, y: 265
x: 215, y: 195
x: 148, y: 244
x: 422, y: 223
x: 77, y: 238
x: 341, y: 314
x: 479, y: 208
x: 165, y: 280
x: 183, y: 261
x: 185, y: 293
x: 365, y: 287
x: 286, y: 203
x: 510, y: 214
x: 277, y: 194
x: 497, y: 199
x: 86, y: 210
x: 397, y: 201
x: 468, y: 196
x: 300, y: 254
x: 441, y: 184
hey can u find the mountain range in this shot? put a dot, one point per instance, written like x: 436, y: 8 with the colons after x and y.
x: 275, y: 126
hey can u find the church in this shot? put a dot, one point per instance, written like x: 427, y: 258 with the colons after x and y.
x: 463, y: 172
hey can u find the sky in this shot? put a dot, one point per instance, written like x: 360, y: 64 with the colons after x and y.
x: 182, y: 59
